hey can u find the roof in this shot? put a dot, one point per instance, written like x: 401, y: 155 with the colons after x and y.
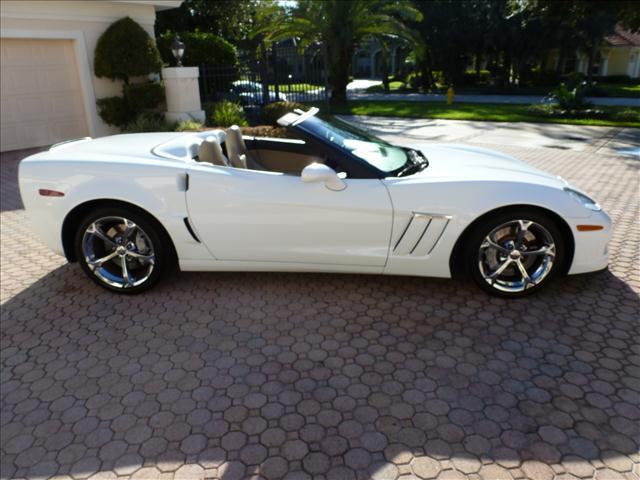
x: 157, y: 4
x: 623, y: 38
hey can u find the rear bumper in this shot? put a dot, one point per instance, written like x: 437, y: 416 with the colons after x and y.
x: 591, y: 252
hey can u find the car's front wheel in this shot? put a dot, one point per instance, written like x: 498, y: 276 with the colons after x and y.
x: 515, y: 254
x: 121, y: 250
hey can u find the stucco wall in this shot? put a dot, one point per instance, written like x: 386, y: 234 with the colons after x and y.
x: 86, y: 21
x: 618, y: 61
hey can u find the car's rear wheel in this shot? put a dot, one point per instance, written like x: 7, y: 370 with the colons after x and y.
x: 515, y: 253
x: 121, y: 250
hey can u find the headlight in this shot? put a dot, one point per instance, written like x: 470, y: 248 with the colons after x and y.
x: 585, y: 201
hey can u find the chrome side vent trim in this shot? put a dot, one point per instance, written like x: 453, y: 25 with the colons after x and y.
x: 421, y: 235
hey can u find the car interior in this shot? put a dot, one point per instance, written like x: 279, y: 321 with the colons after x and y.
x: 284, y: 155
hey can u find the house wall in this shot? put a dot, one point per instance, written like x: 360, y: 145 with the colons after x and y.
x: 618, y: 63
x: 83, y: 23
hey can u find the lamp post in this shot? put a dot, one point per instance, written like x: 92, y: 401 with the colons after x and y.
x: 177, y: 49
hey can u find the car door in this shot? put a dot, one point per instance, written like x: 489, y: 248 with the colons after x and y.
x: 258, y: 216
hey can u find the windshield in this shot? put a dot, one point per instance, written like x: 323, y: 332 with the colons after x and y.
x: 377, y: 152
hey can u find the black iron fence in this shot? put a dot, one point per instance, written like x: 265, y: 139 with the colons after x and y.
x: 283, y: 73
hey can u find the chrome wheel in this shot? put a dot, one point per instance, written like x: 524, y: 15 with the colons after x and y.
x: 118, y: 252
x: 516, y: 256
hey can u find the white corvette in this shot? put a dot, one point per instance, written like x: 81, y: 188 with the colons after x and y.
x: 331, y: 198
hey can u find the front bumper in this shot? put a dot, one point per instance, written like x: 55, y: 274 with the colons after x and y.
x: 591, y: 252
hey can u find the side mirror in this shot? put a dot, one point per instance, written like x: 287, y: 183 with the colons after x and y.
x: 318, y: 172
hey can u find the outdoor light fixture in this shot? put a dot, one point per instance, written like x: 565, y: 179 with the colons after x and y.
x: 177, y: 49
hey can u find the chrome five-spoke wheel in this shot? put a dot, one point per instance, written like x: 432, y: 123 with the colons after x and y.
x: 118, y: 252
x: 515, y: 252
x: 516, y: 256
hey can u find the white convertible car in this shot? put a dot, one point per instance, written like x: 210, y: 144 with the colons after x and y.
x: 329, y: 199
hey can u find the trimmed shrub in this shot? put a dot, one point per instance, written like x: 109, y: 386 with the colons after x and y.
x: 147, y: 122
x: 541, y: 109
x: 570, y: 99
x: 114, y: 111
x: 627, y: 115
x: 188, y: 126
x: 272, y: 112
x: 143, y: 96
x: 200, y: 48
x: 226, y: 113
x: 125, y: 50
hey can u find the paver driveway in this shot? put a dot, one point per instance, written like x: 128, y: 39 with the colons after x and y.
x: 324, y: 376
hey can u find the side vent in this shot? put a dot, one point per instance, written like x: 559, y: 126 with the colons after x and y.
x: 190, y: 229
x: 421, y: 235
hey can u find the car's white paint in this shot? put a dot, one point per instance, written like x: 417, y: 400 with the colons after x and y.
x: 256, y: 220
x: 248, y: 215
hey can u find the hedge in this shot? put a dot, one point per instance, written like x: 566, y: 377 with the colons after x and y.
x: 200, y: 48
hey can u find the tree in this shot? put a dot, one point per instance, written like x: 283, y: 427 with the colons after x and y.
x: 232, y: 20
x: 586, y: 22
x: 123, y: 51
x: 341, y: 25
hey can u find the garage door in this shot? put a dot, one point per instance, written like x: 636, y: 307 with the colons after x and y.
x: 40, y: 93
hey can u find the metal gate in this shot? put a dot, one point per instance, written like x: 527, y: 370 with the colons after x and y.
x: 282, y: 73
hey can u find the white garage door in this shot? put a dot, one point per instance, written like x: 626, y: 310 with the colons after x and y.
x: 40, y: 93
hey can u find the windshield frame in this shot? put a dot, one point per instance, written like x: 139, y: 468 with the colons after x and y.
x: 361, y: 167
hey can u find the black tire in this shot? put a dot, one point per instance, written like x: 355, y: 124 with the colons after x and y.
x: 152, y: 262
x: 483, y: 260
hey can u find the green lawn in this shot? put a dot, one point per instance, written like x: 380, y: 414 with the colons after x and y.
x: 467, y: 111
x: 295, y: 87
x: 393, y: 87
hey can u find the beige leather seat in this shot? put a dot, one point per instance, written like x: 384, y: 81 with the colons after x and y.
x: 237, y: 150
x: 210, y: 151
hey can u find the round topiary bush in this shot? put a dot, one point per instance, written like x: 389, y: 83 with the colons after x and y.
x: 125, y: 50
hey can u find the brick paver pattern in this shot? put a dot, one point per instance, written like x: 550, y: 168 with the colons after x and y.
x: 261, y: 375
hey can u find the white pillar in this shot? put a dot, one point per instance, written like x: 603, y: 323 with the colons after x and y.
x: 183, y: 94
x: 604, y: 66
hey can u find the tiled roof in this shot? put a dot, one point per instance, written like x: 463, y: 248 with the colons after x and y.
x: 623, y: 38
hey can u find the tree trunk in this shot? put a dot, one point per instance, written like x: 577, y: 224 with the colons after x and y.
x: 339, y: 68
x: 384, y: 60
x: 592, y: 61
x: 426, y: 72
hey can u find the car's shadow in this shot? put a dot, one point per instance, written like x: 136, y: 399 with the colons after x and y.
x: 337, y: 375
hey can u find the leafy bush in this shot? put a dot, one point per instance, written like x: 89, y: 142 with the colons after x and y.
x: 143, y: 96
x: 226, y: 113
x: 570, y: 99
x: 414, y: 80
x: 273, y: 111
x: 147, y: 122
x: 125, y: 50
x: 471, y: 78
x: 114, y: 111
x: 541, y: 109
x: 200, y: 48
x: 574, y: 78
x: 627, y: 115
x: 188, y: 126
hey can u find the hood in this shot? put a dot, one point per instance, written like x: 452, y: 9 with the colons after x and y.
x: 464, y: 162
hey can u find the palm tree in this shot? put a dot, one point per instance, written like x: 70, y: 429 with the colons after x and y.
x: 341, y: 25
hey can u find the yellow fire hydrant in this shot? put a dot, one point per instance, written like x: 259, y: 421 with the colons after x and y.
x: 450, y: 95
